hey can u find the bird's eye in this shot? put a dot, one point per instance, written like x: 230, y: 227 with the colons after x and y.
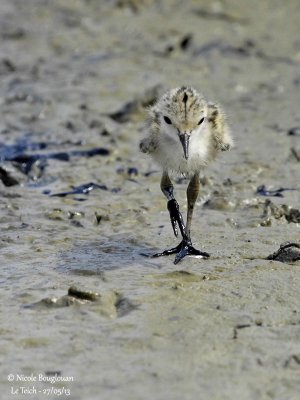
x: 201, y: 120
x: 167, y: 120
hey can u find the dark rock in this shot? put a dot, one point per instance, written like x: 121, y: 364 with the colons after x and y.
x: 294, y: 131
x: 70, y: 125
x: 98, y: 218
x: 293, y: 215
x: 132, y: 171
x: 7, y: 179
x: 288, y: 252
x: 185, y: 42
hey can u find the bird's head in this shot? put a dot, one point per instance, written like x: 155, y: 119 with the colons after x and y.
x: 182, y: 113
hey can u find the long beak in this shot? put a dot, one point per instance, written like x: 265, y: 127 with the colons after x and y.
x: 184, y: 139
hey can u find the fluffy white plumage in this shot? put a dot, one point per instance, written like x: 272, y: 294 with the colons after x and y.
x: 185, y: 111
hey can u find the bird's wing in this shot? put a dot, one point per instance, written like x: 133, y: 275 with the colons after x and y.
x: 148, y: 145
x: 219, y: 127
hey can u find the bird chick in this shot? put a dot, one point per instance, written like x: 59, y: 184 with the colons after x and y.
x: 185, y: 134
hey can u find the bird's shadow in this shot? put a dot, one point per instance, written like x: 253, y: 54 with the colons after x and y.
x: 93, y: 258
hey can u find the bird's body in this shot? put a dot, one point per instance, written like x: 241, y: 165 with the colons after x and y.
x: 170, y: 156
x: 185, y: 134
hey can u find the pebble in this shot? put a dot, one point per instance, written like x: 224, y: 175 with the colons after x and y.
x: 288, y: 252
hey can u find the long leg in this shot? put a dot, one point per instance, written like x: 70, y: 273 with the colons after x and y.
x: 185, y: 248
x: 192, y: 195
x: 175, y: 215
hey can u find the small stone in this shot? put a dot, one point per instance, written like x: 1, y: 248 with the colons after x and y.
x: 70, y: 125
x: 95, y: 123
x: 288, y: 252
x: 56, y: 214
x: 132, y: 171
x: 294, y: 131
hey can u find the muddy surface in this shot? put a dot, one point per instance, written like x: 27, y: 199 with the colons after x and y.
x: 80, y: 207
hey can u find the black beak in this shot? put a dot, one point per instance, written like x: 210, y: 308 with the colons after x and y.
x: 184, y: 139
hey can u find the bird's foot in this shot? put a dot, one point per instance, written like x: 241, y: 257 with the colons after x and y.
x: 176, y: 217
x: 184, y: 249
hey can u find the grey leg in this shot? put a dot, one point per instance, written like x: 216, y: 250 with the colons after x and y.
x: 167, y: 186
x: 192, y: 195
x: 184, y: 248
x: 173, y: 207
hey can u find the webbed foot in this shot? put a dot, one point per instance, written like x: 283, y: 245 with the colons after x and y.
x: 184, y: 249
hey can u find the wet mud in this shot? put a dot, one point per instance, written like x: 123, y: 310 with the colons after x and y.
x: 81, y: 206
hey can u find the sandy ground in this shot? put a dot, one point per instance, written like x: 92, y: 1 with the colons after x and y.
x: 223, y: 328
